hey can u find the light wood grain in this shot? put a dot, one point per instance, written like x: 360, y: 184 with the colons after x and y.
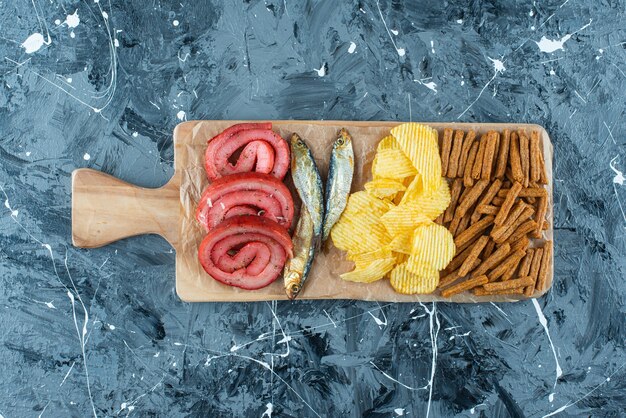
x: 106, y: 209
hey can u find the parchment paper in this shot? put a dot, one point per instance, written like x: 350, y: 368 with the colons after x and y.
x: 194, y: 284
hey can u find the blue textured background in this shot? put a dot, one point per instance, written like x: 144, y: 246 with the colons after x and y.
x: 102, y: 332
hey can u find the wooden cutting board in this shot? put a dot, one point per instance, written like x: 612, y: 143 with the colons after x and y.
x: 106, y: 209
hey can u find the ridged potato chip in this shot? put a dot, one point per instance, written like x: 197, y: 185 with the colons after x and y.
x: 364, y: 259
x: 388, y: 229
x: 402, y: 243
x: 372, y: 272
x: 432, y: 244
x: 403, y: 281
x: 392, y: 163
x: 403, y: 219
x: 388, y: 142
x: 384, y: 188
x: 419, y: 143
x: 363, y: 202
x: 359, y: 233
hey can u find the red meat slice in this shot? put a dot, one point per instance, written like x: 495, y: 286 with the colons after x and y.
x: 245, y: 251
x: 262, y: 150
x: 245, y: 194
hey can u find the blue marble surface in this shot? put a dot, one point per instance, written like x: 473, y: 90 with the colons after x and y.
x: 102, y: 85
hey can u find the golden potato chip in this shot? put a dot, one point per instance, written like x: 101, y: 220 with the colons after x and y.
x: 402, y: 243
x: 364, y: 259
x: 419, y: 143
x: 404, y: 218
x: 392, y: 163
x: 413, y: 189
x: 388, y: 230
x: 359, y: 233
x: 400, y: 257
x: 403, y: 281
x: 430, y: 204
x: 432, y: 244
x: 384, y: 188
x: 372, y: 272
x: 363, y: 202
x: 388, y: 142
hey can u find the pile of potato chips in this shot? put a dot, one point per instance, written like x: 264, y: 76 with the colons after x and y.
x: 388, y: 230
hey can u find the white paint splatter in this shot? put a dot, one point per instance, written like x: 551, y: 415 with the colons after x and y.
x: 351, y: 48
x: 157, y: 354
x: 432, y: 46
x: 116, y: 43
x: 473, y: 410
x: 552, y: 72
x: 395, y: 380
x: 105, y: 15
x: 331, y: 319
x: 399, y: 411
x: 34, y: 42
x: 433, y: 319
x: 175, y: 23
x: 269, y: 408
x: 544, y: 324
x: 619, y: 176
x: 57, y: 22
x: 498, y: 65
x: 531, y: 13
x: 568, y: 404
x: 321, y: 71
x: 378, y: 321
x: 67, y: 374
x: 550, y: 45
x: 72, y: 34
x: 395, y: 32
x: 181, y: 115
x: 135, y: 134
x: 431, y: 85
x: 459, y: 335
x: 551, y: 397
x: 459, y: 21
x: 72, y: 20
x: 401, y: 52
x: 111, y: 327
x: 86, y: 157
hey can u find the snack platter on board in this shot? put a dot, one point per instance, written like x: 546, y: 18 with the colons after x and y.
x: 170, y: 211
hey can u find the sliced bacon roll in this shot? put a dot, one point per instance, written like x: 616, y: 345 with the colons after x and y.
x: 261, y: 150
x: 245, y: 251
x: 245, y: 194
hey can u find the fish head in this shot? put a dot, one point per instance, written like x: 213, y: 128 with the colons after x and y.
x: 293, y: 284
x: 298, y: 144
x: 344, y: 140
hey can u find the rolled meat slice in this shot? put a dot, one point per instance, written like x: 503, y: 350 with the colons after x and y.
x: 245, y: 251
x: 261, y: 150
x: 245, y: 194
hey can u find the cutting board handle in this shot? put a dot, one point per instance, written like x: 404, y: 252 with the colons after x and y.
x: 106, y: 209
